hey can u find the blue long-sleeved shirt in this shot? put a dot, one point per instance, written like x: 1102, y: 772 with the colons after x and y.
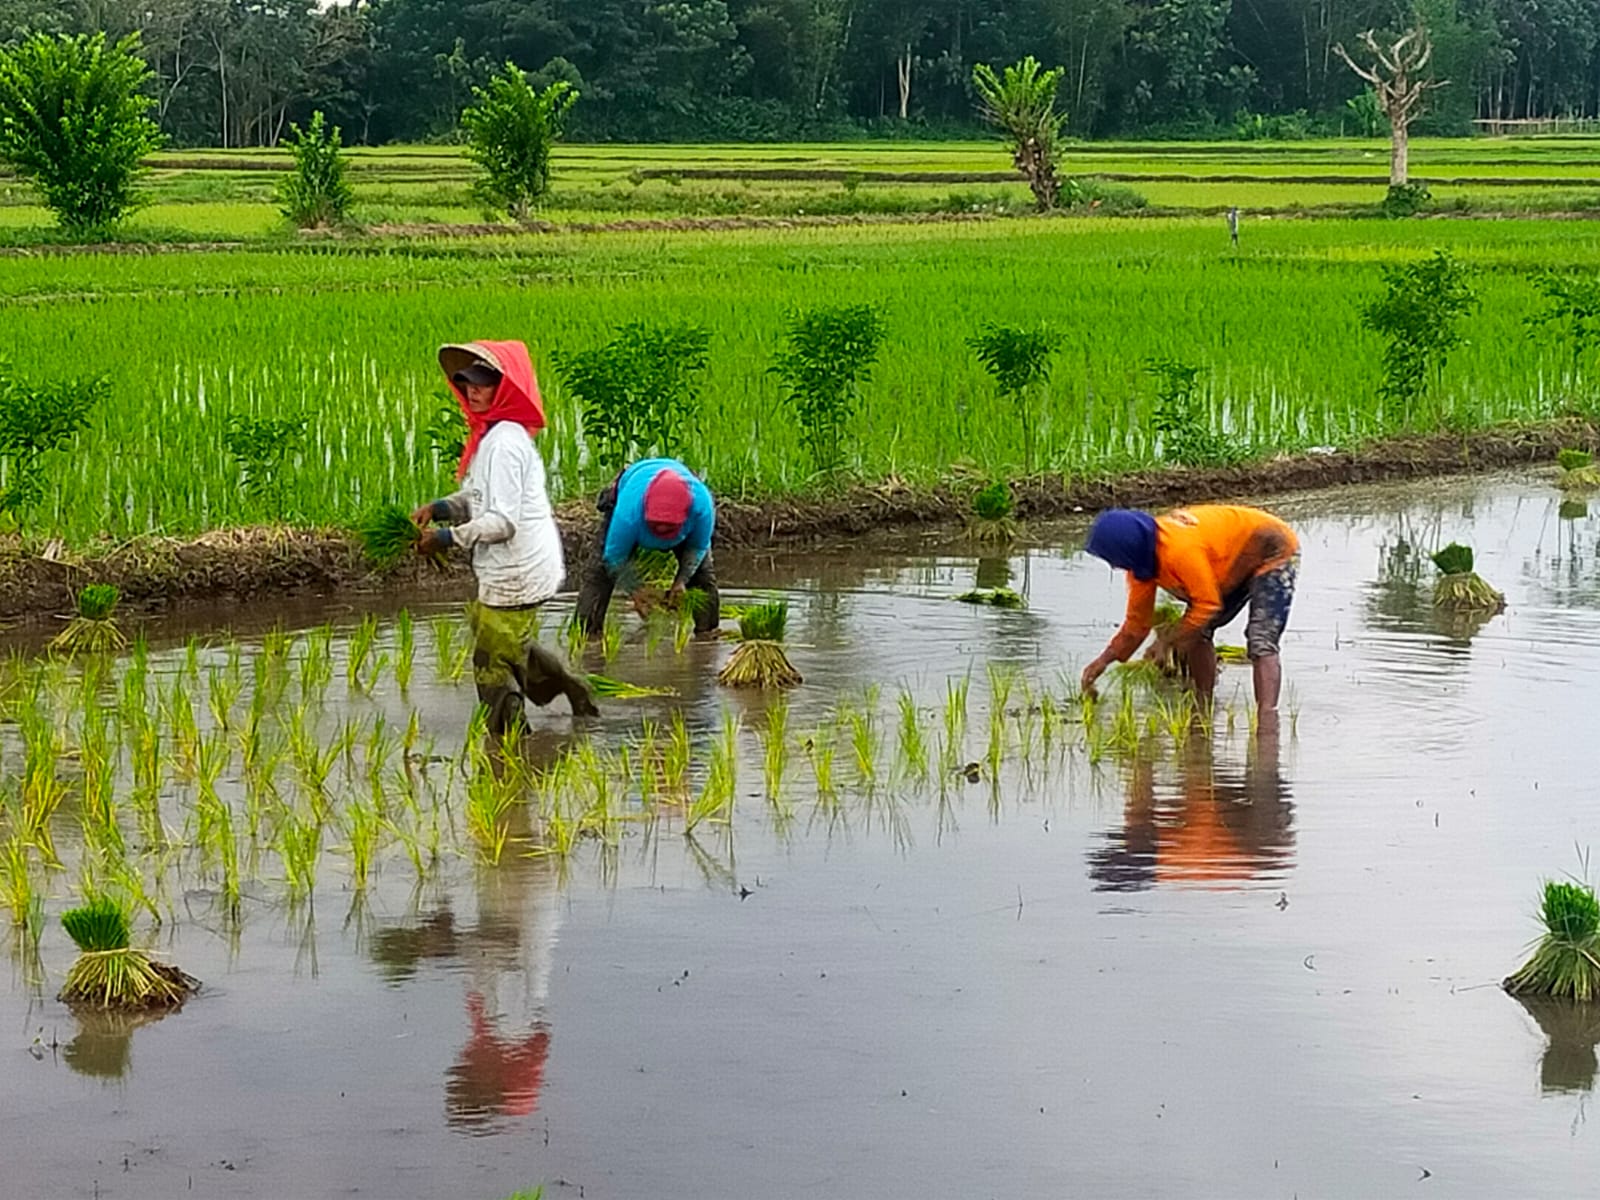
x: 629, y: 532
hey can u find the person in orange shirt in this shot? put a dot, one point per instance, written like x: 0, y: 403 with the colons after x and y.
x: 1217, y: 558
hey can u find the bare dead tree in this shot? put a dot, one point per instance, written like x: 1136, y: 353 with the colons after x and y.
x: 1396, y: 76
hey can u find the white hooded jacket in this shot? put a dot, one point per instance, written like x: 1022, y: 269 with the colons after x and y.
x: 502, y: 516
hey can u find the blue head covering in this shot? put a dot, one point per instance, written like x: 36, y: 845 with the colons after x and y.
x: 1125, y: 538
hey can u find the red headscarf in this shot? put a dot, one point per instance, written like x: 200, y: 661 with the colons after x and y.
x: 666, y: 499
x: 516, y: 399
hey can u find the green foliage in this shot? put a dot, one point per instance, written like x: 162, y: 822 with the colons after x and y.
x: 34, y: 420
x: 316, y: 194
x: 1021, y: 103
x: 1418, y: 314
x: 99, y: 925
x: 1572, y: 309
x: 1365, y: 112
x: 97, y: 601
x: 827, y: 355
x: 1566, y: 962
x: 993, y: 502
x: 74, y: 123
x: 1574, y: 460
x: 1180, y: 418
x: 446, y: 430
x: 388, y: 534
x: 1018, y: 360
x: 1406, y: 199
x: 992, y: 598
x: 1454, y: 559
x: 637, y: 390
x: 511, y: 129
x: 766, y: 622
x: 262, y: 446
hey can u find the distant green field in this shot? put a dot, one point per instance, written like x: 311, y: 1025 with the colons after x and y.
x: 212, y: 194
x: 344, y: 334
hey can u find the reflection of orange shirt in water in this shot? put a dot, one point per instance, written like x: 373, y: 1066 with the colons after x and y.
x: 495, y: 1076
x: 1203, y: 554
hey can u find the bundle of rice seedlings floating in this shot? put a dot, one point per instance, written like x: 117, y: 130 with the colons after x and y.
x: 759, y: 660
x: 1566, y: 961
x: 992, y: 597
x: 388, y: 534
x: 93, y: 628
x: 110, y: 973
x: 992, y: 518
x: 618, y: 689
x: 1459, y: 588
x: 1233, y: 654
x: 1578, y: 472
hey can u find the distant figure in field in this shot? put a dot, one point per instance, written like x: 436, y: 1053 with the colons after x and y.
x: 503, y: 519
x: 1233, y: 225
x: 1217, y: 558
x: 655, y: 504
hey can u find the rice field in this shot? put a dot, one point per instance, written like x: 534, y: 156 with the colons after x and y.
x: 342, y: 336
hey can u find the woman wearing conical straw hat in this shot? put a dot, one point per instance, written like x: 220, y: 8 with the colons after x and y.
x: 502, y: 517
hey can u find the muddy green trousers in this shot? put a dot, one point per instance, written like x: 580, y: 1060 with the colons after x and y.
x: 511, y: 668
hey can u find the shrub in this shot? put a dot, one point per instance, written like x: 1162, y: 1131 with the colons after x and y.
x: 1418, y: 314
x: 1180, y: 420
x: 316, y: 194
x: 262, y: 447
x: 1018, y: 360
x: 36, y: 419
x: 637, y: 390
x: 827, y: 355
x: 73, y: 121
x: 511, y: 129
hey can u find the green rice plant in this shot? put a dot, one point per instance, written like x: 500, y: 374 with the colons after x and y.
x: 992, y: 598
x: 759, y: 660
x: 405, y: 653
x: 490, y: 799
x: 955, y: 717
x: 913, y: 750
x: 358, y: 655
x: 617, y: 689
x: 316, y: 662
x: 222, y: 694
x: 863, y: 742
x: 451, y: 650
x: 1578, y: 472
x: 1566, y: 960
x: 715, y: 801
x: 993, y: 517
x: 819, y: 750
x: 299, y: 847
x: 610, y: 639
x: 93, y: 628
x: 109, y: 972
x: 1050, y: 721
x: 17, y: 887
x: 775, y: 749
x: 387, y: 535
x: 1459, y: 588
x: 363, y: 828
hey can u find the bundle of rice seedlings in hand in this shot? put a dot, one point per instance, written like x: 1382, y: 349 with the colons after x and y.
x: 1578, y: 472
x: 93, y: 629
x: 993, y: 598
x: 759, y: 660
x: 1566, y: 962
x: 992, y: 517
x: 618, y: 689
x: 388, y: 535
x: 1459, y: 588
x: 110, y: 973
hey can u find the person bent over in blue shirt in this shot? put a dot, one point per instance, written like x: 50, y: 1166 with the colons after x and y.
x: 655, y: 504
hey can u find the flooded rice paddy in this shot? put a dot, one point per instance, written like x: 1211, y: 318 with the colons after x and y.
x: 1127, y: 958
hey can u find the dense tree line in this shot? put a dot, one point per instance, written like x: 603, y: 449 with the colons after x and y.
x: 237, y: 72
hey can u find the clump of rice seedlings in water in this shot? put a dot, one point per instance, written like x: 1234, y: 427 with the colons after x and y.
x: 405, y: 648
x: 388, y: 534
x: 759, y: 660
x: 775, y: 748
x: 992, y: 598
x: 358, y: 653
x: 913, y: 749
x: 610, y: 639
x: 619, y: 689
x: 93, y: 628
x: 1578, y: 472
x: 993, y: 518
x: 451, y: 649
x: 1566, y: 961
x: 1459, y: 588
x: 715, y: 801
x: 109, y: 972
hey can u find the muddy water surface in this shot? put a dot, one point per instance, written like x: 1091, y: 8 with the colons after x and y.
x: 1236, y: 968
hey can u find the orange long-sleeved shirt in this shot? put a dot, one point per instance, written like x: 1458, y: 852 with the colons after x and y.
x: 1203, y: 554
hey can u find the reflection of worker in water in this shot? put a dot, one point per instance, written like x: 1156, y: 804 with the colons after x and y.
x: 508, y: 954
x: 1212, y: 830
x: 1218, y: 558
